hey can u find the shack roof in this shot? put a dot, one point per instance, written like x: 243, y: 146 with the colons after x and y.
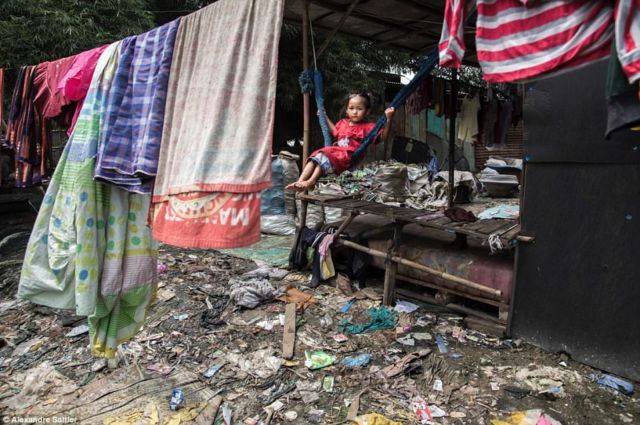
x: 413, y: 25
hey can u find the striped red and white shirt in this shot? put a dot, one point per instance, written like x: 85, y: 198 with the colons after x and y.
x: 523, y: 39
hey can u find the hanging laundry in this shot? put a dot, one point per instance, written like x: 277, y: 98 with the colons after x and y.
x: 421, y: 98
x: 75, y: 82
x: 217, y: 133
x: 439, y: 94
x: 27, y: 132
x: 435, y: 123
x: 468, y: 129
x: 517, y: 39
x: 130, y: 141
x: 90, y: 249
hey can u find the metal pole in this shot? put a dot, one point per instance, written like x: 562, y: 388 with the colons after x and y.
x: 452, y: 134
x: 306, y: 97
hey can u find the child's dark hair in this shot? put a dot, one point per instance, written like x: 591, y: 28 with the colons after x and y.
x: 365, y: 96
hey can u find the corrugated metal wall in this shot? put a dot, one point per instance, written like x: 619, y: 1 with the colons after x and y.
x: 513, y: 149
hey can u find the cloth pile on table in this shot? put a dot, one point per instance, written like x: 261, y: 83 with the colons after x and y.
x: 394, y: 183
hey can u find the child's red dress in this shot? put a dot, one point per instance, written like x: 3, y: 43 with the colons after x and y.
x: 337, y: 158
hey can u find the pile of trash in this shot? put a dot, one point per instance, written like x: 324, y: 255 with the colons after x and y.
x: 232, y: 342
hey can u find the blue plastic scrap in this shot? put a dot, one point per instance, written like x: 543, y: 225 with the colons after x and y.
x: 346, y: 306
x: 442, y: 344
x: 614, y: 382
x: 356, y: 361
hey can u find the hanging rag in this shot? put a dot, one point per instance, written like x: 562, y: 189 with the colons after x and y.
x: 76, y: 81
x: 130, y: 145
x: 218, y: 123
x: 517, y: 39
x: 90, y: 249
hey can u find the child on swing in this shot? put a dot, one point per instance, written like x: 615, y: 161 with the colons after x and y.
x: 349, y: 133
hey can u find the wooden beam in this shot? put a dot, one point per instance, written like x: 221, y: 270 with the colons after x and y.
x: 338, y: 27
x: 289, y: 333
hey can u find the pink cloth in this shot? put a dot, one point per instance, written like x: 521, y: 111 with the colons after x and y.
x: 75, y: 82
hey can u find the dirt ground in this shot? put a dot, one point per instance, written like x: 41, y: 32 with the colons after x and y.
x: 46, y: 372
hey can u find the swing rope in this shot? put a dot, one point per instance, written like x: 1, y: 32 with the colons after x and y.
x: 427, y: 65
x: 311, y: 80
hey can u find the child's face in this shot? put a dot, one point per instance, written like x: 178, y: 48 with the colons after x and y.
x: 357, y: 109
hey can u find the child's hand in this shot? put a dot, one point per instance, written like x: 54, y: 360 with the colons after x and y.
x: 389, y: 112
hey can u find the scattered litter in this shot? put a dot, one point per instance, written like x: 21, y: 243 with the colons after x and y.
x: 437, y: 412
x: 181, y: 317
x: 213, y: 369
x: 374, y: 419
x: 442, y: 344
x: 251, y: 293
x: 340, y: 338
x: 226, y: 415
x: 456, y: 356
x: 301, y: 299
x: 407, y: 340
x: 260, y: 363
x: 291, y: 415
x: 162, y: 268
x: 401, y: 365
x: 160, y: 368
x: 494, y: 386
x: 327, y: 383
x: 346, y: 306
x: 528, y: 417
x: 421, y: 336
x: 405, y: 307
x: 551, y: 393
x: 78, y: 330
x: 610, y: 381
x: 403, y: 329
x: 177, y: 399
x: 419, y: 406
x: 381, y: 318
x: 356, y: 361
x: 318, y: 359
x: 437, y: 385
x: 265, y: 271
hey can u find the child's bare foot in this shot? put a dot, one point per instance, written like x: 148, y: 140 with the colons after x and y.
x: 293, y: 186
x: 305, y: 185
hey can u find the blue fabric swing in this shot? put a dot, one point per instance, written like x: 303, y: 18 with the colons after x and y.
x: 311, y: 79
x: 427, y: 65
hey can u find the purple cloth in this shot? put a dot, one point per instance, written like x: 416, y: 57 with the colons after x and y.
x: 130, y: 142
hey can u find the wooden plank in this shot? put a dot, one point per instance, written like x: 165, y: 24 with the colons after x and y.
x: 511, y: 234
x: 289, y: 333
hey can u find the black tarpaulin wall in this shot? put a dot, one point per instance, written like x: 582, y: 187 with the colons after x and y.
x: 577, y: 286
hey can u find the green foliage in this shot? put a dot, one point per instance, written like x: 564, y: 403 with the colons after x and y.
x: 348, y: 65
x: 33, y: 31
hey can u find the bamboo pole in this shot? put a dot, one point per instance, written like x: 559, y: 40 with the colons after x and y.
x: 493, y: 293
x: 306, y: 105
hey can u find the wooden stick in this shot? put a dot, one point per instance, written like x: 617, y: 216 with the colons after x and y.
x: 494, y: 293
x: 289, y: 333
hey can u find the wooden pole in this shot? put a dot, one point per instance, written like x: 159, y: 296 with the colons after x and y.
x: 391, y: 267
x: 306, y: 96
x: 493, y: 293
x: 452, y: 134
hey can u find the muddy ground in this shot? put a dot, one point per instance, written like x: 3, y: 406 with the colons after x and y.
x: 192, y: 326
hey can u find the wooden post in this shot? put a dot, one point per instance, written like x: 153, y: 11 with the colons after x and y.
x: 306, y: 97
x: 452, y: 134
x: 391, y: 267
